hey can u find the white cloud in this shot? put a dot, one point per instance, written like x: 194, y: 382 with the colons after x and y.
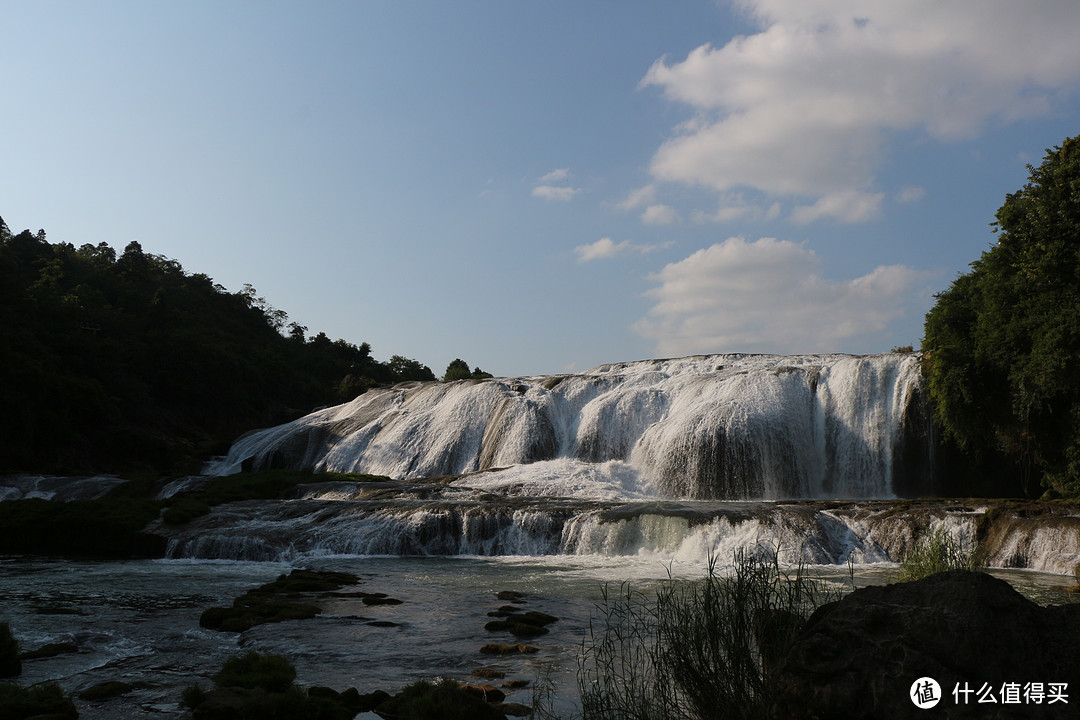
x: 911, y: 194
x: 659, y: 215
x: 768, y: 296
x: 846, y: 206
x: 606, y: 248
x: 733, y: 207
x: 555, y: 192
x: 806, y: 106
x: 546, y: 190
x: 555, y: 176
x: 639, y: 197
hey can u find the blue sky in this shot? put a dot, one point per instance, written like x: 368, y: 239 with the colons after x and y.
x: 543, y: 187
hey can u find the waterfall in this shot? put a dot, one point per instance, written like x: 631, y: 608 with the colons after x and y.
x: 703, y: 427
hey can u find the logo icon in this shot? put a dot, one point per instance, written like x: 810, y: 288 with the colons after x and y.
x: 925, y: 693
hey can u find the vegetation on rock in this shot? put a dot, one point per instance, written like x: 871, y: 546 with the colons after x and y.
x: 936, y: 551
x: 114, y: 525
x: 458, y: 369
x: 46, y: 700
x: 275, y: 601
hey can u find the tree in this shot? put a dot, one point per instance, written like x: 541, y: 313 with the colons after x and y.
x: 1002, y: 344
x: 458, y: 369
x: 404, y: 368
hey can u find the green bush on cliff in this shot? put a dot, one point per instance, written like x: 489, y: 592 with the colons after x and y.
x: 1002, y: 344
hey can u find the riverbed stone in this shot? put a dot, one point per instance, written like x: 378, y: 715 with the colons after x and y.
x: 859, y: 657
x: 501, y: 649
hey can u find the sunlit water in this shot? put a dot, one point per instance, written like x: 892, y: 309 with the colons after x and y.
x: 138, y: 621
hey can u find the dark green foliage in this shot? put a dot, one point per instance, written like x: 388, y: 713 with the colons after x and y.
x: 459, y: 370
x: 130, y: 363
x: 934, y: 552
x: 272, y: 673
x: 10, y: 664
x: 113, y: 526
x: 46, y: 701
x: 1002, y: 344
x: 255, y: 686
x: 86, y: 528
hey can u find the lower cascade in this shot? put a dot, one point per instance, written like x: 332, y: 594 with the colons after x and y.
x: 716, y: 427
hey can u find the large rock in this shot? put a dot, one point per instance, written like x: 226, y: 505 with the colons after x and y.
x: 858, y: 657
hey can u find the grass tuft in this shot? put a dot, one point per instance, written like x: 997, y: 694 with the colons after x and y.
x: 937, y: 551
x: 698, y: 649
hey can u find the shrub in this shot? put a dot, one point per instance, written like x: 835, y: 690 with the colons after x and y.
x: 45, y: 700
x: 695, y: 649
x: 272, y: 673
x: 934, y: 552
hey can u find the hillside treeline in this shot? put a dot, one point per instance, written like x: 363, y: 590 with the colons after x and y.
x: 127, y: 362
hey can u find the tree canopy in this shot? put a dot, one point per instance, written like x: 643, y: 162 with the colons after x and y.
x: 1002, y: 344
x: 114, y: 363
x: 458, y: 369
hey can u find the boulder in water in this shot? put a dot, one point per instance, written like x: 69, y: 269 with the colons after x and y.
x: 859, y: 657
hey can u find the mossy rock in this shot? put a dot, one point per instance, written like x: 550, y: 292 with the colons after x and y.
x: 444, y: 701
x: 264, y: 604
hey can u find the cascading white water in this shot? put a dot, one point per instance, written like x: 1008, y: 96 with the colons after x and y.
x: 707, y: 427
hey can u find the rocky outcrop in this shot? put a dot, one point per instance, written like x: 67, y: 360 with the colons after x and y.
x: 860, y: 656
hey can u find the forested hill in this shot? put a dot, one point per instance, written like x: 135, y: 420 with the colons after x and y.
x: 127, y: 363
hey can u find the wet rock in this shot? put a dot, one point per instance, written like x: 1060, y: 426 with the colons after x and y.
x: 447, y: 699
x: 105, y: 690
x: 511, y: 596
x: 383, y: 623
x: 50, y: 650
x: 516, y: 629
x: 500, y: 649
x: 318, y: 691
x: 10, y: 661
x: 515, y: 684
x: 514, y: 709
x: 488, y: 673
x: 487, y: 693
x: 859, y: 657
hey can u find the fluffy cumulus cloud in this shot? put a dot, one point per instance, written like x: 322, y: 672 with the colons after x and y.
x: 768, y: 296
x: 805, y: 107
